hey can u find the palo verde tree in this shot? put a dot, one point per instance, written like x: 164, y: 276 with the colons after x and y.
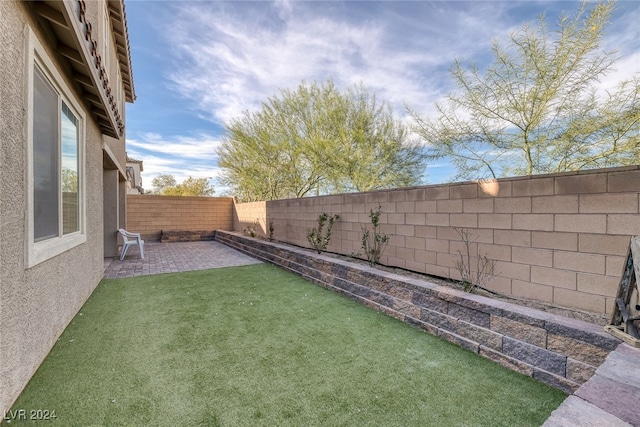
x: 317, y: 140
x: 538, y: 107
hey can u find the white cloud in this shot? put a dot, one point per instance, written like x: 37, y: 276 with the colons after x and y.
x: 181, y: 156
x: 230, y: 60
x: 199, y: 146
x: 284, y: 8
x: 228, y: 57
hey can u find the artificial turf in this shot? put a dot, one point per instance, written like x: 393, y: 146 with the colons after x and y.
x: 256, y: 345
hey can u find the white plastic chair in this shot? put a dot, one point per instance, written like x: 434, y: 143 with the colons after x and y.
x: 127, y: 243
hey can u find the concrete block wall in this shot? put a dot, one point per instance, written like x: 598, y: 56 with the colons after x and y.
x: 149, y: 215
x: 561, y: 352
x: 248, y: 214
x: 558, y: 238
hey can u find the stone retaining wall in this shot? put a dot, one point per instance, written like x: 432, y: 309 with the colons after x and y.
x: 171, y: 236
x: 561, y: 352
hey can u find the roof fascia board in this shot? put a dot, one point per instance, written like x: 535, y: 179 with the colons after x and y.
x: 123, y: 47
x: 74, y: 14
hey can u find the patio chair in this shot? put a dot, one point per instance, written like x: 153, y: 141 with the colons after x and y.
x: 131, y: 239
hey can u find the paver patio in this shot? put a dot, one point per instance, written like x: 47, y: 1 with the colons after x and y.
x: 174, y: 258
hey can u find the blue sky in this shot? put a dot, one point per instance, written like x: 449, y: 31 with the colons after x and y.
x: 199, y: 64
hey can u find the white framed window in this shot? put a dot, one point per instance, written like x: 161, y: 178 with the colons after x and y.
x: 56, y: 203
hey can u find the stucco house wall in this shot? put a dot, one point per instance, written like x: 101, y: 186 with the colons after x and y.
x: 134, y: 179
x: 40, y: 295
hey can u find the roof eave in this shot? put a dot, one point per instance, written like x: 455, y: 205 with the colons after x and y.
x: 118, y: 19
x: 75, y: 44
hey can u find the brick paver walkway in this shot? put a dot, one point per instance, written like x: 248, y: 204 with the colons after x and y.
x: 611, y: 398
x: 175, y: 257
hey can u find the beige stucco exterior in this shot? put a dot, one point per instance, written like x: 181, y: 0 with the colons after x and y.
x: 134, y: 179
x: 38, y: 300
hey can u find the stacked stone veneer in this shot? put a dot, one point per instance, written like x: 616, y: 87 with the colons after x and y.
x: 174, y: 236
x: 556, y: 350
x: 559, y: 238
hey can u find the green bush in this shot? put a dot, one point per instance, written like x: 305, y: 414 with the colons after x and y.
x: 315, y: 235
x: 373, y: 241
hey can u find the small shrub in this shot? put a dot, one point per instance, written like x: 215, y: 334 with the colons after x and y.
x: 271, y: 229
x: 473, y: 276
x: 252, y: 229
x: 315, y: 235
x: 373, y: 241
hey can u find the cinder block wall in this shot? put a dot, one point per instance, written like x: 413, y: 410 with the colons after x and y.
x: 247, y: 214
x: 149, y: 215
x: 559, y: 238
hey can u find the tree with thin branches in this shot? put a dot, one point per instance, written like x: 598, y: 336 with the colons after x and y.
x: 539, y: 107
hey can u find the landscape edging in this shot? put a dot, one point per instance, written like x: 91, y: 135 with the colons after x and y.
x: 556, y: 350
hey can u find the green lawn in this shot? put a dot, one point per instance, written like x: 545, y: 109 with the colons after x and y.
x: 256, y: 345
